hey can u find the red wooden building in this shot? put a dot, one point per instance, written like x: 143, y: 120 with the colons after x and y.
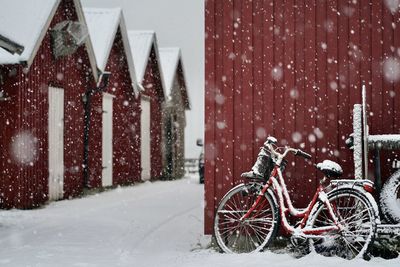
x: 147, y: 65
x: 41, y: 112
x: 114, y: 134
x: 293, y: 69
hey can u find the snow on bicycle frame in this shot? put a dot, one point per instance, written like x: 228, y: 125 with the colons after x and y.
x: 248, y: 216
x: 279, y: 186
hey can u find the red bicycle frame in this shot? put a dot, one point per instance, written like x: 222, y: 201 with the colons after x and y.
x: 286, y: 207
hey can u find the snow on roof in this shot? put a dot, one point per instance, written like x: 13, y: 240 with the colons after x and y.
x: 141, y: 43
x: 170, y: 58
x: 169, y: 63
x: 23, y: 22
x: 103, y: 25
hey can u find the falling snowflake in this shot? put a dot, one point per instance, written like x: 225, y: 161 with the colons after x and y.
x: 277, y: 73
x: 261, y: 133
x: 391, y: 69
x: 296, y: 137
x: 24, y: 148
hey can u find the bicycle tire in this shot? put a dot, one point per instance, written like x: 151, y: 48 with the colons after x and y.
x: 358, y: 217
x: 390, y: 198
x: 253, y: 234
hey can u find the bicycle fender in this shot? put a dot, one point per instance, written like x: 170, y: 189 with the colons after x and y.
x: 358, y: 186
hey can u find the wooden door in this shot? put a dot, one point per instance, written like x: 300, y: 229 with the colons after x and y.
x: 56, y: 143
x: 107, y: 140
x: 145, y: 140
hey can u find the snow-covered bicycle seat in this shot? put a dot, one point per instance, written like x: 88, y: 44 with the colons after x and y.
x: 330, y: 168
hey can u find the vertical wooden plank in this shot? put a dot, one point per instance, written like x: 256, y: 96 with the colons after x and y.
x: 297, y: 94
x: 288, y: 68
x: 356, y: 60
x: 268, y: 59
x: 248, y: 82
x: 278, y: 72
x: 388, y: 58
x: 355, y: 53
x: 227, y: 77
x: 258, y: 93
x: 330, y: 135
x: 375, y: 120
x: 288, y: 112
x: 342, y: 86
x: 322, y: 24
x: 310, y: 86
x: 365, y: 49
x: 209, y: 182
x: 237, y: 87
x: 219, y: 123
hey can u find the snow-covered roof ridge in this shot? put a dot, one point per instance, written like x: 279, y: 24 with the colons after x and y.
x: 24, y: 21
x: 169, y: 63
x: 141, y: 43
x: 171, y: 58
x: 103, y: 24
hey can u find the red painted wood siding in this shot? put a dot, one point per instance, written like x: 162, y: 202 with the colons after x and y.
x: 153, y: 89
x: 293, y: 69
x: 126, y: 123
x: 26, y: 185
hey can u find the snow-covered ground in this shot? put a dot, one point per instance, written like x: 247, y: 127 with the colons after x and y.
x: 152, y: 224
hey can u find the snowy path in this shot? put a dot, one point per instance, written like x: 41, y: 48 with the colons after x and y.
x: 152, y: 224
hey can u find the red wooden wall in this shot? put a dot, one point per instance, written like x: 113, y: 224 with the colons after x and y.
x: 293, y: 69
x: 153, y: 89
x: 126, y: 123
x: 26, y: 185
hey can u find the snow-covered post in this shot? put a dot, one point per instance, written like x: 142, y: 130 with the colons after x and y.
x: 365, y: 131
x: 357, y: 135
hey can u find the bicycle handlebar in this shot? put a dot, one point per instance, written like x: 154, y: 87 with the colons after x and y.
x: 303, y: 154
x: 296, y: 152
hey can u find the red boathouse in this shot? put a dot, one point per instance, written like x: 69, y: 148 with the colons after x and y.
x: 294, y: 70
x: 41, y: 109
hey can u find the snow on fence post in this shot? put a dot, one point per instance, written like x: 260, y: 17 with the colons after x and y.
x: 357, y: 135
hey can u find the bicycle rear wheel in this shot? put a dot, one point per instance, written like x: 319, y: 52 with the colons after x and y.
x: 357, y: 217
x: 253, y: 234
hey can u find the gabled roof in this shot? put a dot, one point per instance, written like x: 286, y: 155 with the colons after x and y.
x: 103, y: 24
x: 26, y: 23
x: 23, y: 21
x: 141, y: 43
x: 171, y: 60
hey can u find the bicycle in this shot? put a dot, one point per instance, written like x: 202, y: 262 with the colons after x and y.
x: 341, y: 218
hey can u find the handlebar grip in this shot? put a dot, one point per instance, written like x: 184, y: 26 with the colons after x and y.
x: 303, y: 154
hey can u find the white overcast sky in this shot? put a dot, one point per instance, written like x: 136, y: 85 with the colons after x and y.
x: 177, y: 23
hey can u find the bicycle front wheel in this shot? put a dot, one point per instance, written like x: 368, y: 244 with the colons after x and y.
x: 252, y: 234
x: 357, y: 218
